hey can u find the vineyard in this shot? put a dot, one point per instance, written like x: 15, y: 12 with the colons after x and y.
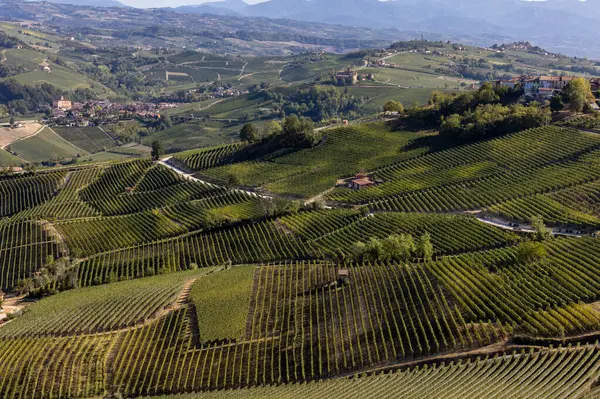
x: 557, y: 373
x: 135, y: 280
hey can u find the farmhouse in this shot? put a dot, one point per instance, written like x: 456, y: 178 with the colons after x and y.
x: 361, y: 181
x: 343, y: 276
x: 543, y: 87
x: 348, y: 75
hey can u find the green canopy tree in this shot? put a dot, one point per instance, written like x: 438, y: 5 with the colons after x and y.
x: 579, y: 94
x: 394, y: 106
x: 249, y: 133
x: 374, y: 250
x: 157, y: 150
x: 557, y: 104
x: 530, y: 252
x: 424, y: 247
x: 541, y: 231
x: 358, y: 251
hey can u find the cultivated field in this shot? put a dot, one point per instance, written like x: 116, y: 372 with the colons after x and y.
x: 44, y: 146
x: 154, y: 283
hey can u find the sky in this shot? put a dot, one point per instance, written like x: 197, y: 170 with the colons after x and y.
x: 172, y: 3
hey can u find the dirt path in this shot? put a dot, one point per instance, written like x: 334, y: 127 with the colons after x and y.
x: 523, y: 228
x: 188, y: 176
x: 319, y: 197
x: 55, y: 234
x: 14, y: 304
x: 210, y: 105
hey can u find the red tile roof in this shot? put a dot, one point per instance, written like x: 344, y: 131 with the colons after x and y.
x: 362, y: 182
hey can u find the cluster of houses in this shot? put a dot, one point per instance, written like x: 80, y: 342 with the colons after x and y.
x: 543, y: 87
x: 352, y: 77
x: 69, y: 113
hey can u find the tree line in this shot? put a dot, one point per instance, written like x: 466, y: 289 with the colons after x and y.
x: 396, y: 247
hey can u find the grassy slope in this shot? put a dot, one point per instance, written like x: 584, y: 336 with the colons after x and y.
x: 8, y: 159
x: 194, y: 134
x: 91, y: 139
x: 376, y: 97
x: 222, y: 303
x: 45, y: 146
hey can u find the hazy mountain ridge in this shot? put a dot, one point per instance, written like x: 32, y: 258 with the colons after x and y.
x: 551, y: 23
x: 89, y: 3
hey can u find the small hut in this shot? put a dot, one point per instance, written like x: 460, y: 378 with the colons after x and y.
x: 343, y: 277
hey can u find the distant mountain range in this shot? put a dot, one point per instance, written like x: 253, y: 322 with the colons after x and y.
x: 571, y: 22
x: 562, y: 26
x: 89, y: 3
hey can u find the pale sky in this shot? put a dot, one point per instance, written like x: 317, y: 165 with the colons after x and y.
x: 172, y: 3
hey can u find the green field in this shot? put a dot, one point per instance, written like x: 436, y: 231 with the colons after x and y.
x: 376, y: 97
x: 47, y: 145
x: 90, y: 139
x: 195, y: 134
x: 230, y: 289
x: 8, y: 159
x: 236, y: 107
x: 312, y: 70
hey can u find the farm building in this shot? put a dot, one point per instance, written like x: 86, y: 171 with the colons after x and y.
x: 361, y: 181
x: 343, y: 276
x: 348, y: 75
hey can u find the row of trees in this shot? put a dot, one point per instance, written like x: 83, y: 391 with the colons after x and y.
x: 318, y: 102
x: 486, y: 112
x: 396, y: 247
x: 494, y: 119
x: 292, y: 132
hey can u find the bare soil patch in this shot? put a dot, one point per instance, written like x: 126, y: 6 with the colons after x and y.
x: 9, y: 136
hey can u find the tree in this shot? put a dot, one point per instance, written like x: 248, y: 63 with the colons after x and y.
x: 394, y: 106
x: 3, y: 111
x: 165, y: 122
x: 373, y: 250
x: 541, y: 231
x: 358, y: 251
x: 579, y: 94
x: 249, y: 133
x: 157, y: 150
x: 273, y: 128
x: 424, y: 247
x: 12, y: 122
x: 530, y: 252
x: 300, y: 131
x: 557, y: 104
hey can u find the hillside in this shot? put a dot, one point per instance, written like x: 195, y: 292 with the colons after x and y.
x: 195, y: 207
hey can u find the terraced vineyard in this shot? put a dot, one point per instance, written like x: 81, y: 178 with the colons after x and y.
x: 99, y: 309
x: 207, y: 158
x: 570, y: 372
x: 469, y: 176
x: 172, y: 286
